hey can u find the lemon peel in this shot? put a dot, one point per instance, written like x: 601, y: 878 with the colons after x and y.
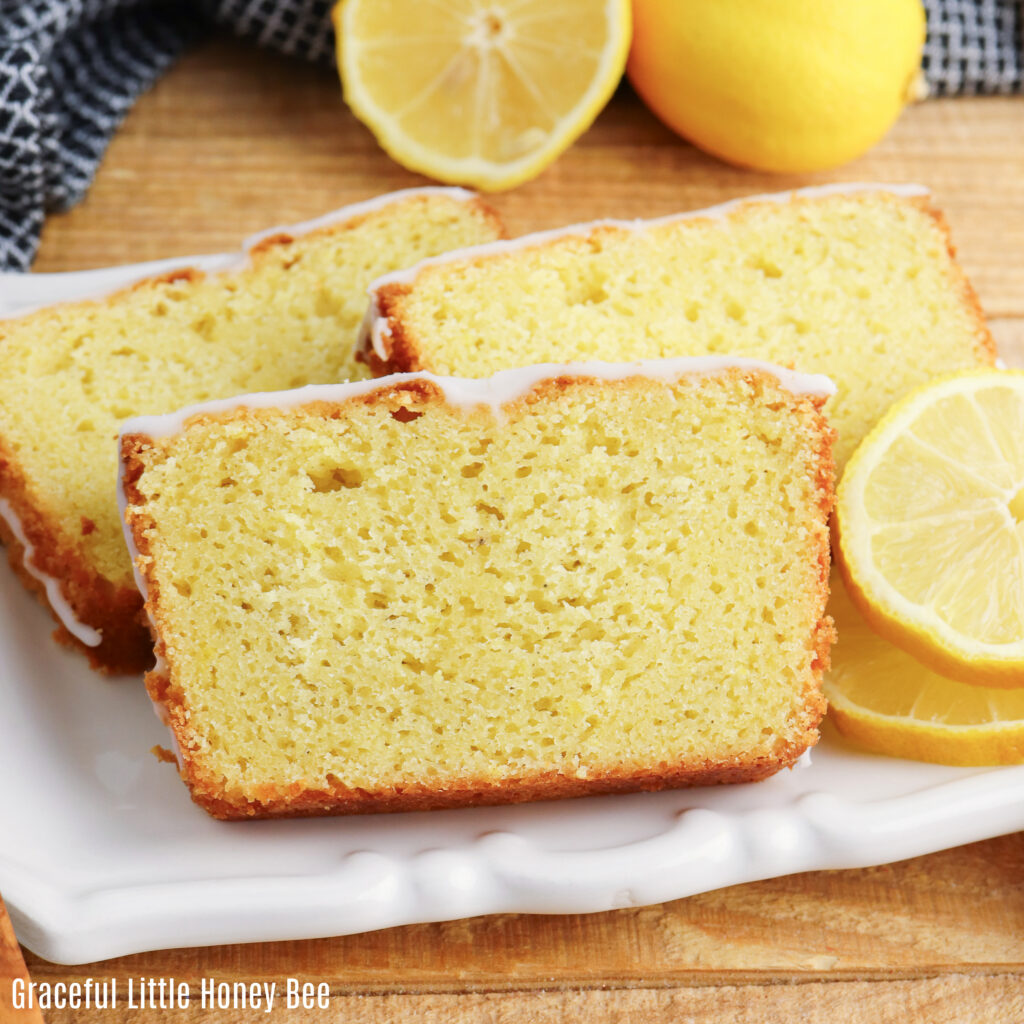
x: 886, y: 701
x: 791, y: 86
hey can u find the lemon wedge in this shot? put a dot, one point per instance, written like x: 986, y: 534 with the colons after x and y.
x: 480, y: 92
x: 885, y: 701
x: 930, y: 527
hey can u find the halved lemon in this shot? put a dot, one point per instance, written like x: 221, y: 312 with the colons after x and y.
x: 930, y: 526
x: 888, y: 702
x: 480, y: 92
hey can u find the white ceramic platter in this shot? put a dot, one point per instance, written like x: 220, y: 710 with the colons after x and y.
x: 103, y: 854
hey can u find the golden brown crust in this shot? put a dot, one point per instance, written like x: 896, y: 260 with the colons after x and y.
x: 114, y: 610
x: 986, y: 344
x: 403, y: 356
x: 301, y: 800
x: 824, y: 635
x: 139, y: 523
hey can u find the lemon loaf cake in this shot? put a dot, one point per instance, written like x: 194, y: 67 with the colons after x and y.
x: 427, y: 592
x: 283, y: 313
x: 858, y: 282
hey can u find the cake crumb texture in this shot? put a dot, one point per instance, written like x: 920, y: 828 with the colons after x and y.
x: 392, y: 602
x: 69, y: 374
x: 864, y: 288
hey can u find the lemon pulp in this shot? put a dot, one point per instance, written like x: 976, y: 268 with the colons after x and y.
x: 480, y: 92
x: 929, y: 526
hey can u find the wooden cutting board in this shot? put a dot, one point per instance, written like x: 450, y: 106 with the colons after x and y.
x: 14, y: 977
x: 234, y: 140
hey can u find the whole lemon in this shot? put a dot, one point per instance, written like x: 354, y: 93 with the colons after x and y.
x: 778, y: 85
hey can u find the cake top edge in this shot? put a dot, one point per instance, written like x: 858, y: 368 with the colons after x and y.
x: 906, y: 190
x: 504, y: 387
x: 357, y: 209
x: 24, y: 293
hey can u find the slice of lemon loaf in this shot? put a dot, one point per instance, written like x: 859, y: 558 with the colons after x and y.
x: 283, y: 313
x: 428, y: 592
x: 859, y: 283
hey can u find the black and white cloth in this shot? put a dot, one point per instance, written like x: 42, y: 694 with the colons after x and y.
x: 70, y: 70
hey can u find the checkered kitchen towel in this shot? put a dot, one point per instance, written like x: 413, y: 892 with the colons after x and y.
x: 70, y: 69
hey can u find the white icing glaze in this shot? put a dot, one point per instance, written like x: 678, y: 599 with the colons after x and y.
x: 504, y: 387
x: 122, y: 505
x: 160, y: 710
x: 100, y: 283
x: 375, y: 328
x: 61, y: 608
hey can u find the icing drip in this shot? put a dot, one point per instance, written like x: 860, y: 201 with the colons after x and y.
x: 165, y: 719
x: 61, y: 608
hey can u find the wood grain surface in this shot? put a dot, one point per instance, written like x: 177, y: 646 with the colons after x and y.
x: 234, y: 140
x: 12, y: 971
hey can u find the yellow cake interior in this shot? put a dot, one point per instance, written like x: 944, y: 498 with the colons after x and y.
x: 618, y: 576
x: 862, y: 288
x: 70, y: 374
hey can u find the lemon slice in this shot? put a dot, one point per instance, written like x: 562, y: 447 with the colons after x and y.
x: 930, y: 526
x: 886, y: 701
x: 480, y: 92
